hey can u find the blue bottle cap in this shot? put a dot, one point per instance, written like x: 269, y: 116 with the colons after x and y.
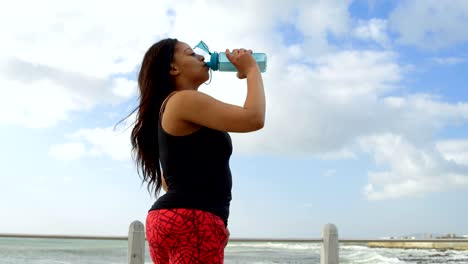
x: 202, y: 45
x: 213, y: 63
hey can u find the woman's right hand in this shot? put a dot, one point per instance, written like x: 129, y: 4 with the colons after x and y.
x: 243, y: 60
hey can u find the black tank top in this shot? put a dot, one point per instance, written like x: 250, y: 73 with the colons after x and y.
x: 196, y: 170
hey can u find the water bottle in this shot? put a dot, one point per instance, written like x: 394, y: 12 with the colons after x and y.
x: 219, y: 61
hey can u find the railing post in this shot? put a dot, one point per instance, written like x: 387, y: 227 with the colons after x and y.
x: 136, y: 243
x: 329, y: 253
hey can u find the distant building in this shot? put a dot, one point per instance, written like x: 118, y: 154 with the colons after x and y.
x: 450, y: 236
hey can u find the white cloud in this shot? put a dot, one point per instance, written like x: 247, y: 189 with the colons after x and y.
x: 37, y: 95
x: 314, y: 20
x: 411, y: 170
x: 454, y: 150
x: 124, y: 88
x: 449, y: 60
x: 112, y: 142
x: 106, y: 141
x: 431, y: 23
x: 319, y: 18
x: 345, y: 153
x: 373, y: 29
x: 321, y: 110
x: 56, y: 58
x: 67, y: 151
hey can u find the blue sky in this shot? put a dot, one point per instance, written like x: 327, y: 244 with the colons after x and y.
x: 367, y: 110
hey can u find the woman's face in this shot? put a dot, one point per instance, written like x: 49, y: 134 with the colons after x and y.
x: 188, y: 66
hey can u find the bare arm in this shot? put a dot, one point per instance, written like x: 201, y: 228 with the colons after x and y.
x: 164, y: 185
x: 255, y: 100
x: 202, y: 109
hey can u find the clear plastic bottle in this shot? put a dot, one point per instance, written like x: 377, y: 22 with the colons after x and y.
x: 223, y: 64
x: 219, y: 61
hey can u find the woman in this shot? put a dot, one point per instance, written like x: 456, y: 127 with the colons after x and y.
x: 182, y: 144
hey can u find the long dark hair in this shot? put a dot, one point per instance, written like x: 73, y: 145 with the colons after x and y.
x: 155, y: 85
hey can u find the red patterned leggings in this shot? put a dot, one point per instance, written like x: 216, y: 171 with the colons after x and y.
x: 179, y: 236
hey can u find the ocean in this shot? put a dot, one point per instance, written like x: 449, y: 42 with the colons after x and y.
x: 87, y: 251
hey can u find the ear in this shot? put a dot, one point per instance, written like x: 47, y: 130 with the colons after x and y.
x: 174, y: 71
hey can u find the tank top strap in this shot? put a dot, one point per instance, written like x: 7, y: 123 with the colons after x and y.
x: 163, y: 105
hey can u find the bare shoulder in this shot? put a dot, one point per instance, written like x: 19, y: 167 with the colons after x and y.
x: 202, y: 109
x: 190, y: 97
x: 189, y: 101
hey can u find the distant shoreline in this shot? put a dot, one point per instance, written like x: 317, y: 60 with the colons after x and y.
x: 292, y: 240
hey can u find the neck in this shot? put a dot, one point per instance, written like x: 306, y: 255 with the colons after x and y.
x: 181, y: 85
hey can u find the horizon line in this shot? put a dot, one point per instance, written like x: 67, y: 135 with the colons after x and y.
x: 234, y: 239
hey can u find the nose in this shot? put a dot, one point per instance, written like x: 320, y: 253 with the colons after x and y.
x: 200, y: 57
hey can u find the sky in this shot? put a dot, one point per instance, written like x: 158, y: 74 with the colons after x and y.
x: 366, y: 124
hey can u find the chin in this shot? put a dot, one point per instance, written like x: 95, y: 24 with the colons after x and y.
x: 207, y: 77
x: 202, y: 81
